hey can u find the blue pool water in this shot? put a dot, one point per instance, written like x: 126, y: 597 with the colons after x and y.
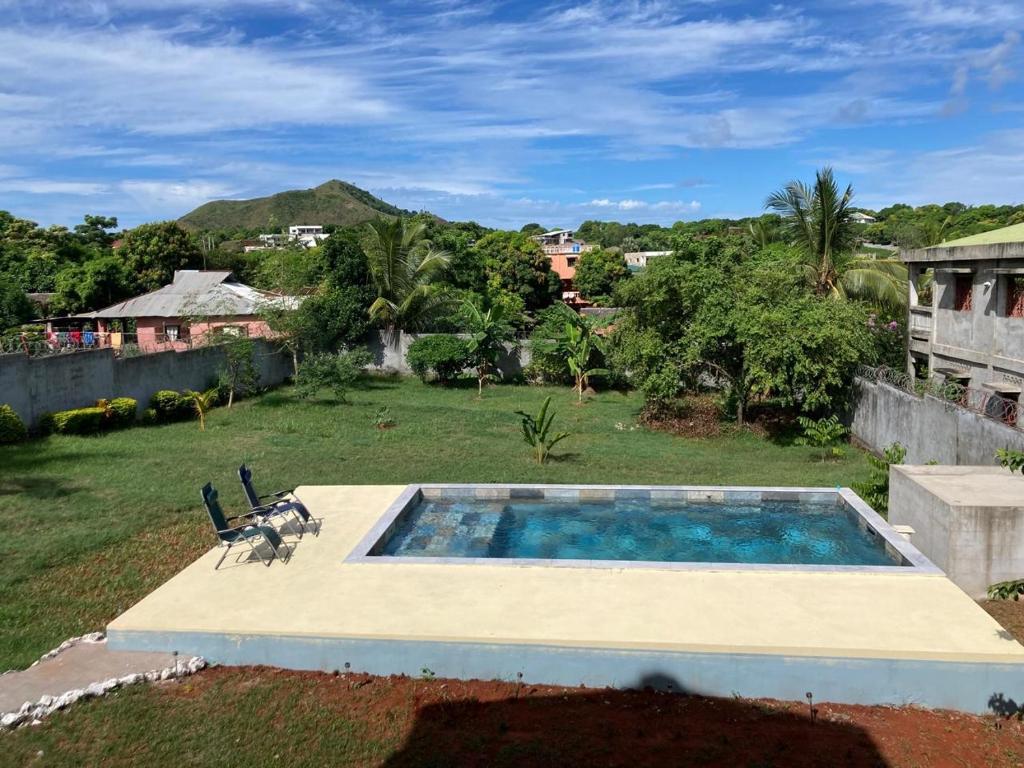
x: 703, y: 532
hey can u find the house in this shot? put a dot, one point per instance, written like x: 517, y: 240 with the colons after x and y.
x: 638, y: 259
x: 966, y: 314
x: 862, y: 218
x: 563, y: 249
x: 306, y: 235
x: 180, y: 316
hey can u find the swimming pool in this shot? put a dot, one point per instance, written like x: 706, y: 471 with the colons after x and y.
x: 630, y: 525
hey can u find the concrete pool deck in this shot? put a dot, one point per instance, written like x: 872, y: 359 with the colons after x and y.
x: 897, y: 638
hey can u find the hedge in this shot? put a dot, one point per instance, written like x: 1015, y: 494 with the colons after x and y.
x: 442, y: 353
x: 12, y: 428
x: 77, y: 421
x: 171, y: 406
x: 120, y: 412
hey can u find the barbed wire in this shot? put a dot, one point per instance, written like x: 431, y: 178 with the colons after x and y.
x: 981, y: 401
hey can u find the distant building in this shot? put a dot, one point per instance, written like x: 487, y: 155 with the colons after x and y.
x: 970, y: 328
x: 178, y: 316
x: 862, y: 218
x: 306, y: 235
x: 639, y: 259
x: 564, y: 251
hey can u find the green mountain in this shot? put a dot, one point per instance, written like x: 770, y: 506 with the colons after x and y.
x: 334, y: 202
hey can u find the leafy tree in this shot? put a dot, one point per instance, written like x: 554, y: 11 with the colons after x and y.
x: 537, y: 431
x: 95, y: 230
x: 336, y: 371
x: 488, y: 335
x: 96, y: 283
x: 531, y: 229
x: 152, y: 252
x: 817, y: 222
x: 404, y: 271
x: 516, y: 264
x: 290, y: 269
x: 239, y: 374
x: 15, y: 307
x: 598, y: 272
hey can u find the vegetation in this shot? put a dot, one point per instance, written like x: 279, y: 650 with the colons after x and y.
x: 816, y: 220
x: 537, y: 431
x: 239, y: 375
x: 825, y: 433
x: 598, y: 272
x: 152, y: 252
x: 202, y: 403
x: 404, y: 270
x: 875, y: 490
x: 489, y: 332
x: 442, y: 355
x: 514, y: 264
x: 129, y: 511
x: 332, y: 203
x: 169, y: 405
x: 1005, y: 590
x: 336, y: 371
x: 12, y: 428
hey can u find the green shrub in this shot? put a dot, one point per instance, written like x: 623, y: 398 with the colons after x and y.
x: 12, y: 428
x: 337, y: 371
x: 171, y: 406
x: 149, y: 416
x: 442, y: 354
x: 120, y: 412
x: 79, y: 421
x: 875, y: 490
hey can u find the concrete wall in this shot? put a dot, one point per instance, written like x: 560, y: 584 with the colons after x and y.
x: 969, y: 521
x: 930, y: 428
x: 33, y: 386
x: 389, y: 354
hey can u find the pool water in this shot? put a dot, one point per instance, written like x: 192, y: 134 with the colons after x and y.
x: 634, y: 529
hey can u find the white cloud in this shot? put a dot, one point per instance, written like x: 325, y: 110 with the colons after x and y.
x: 51, y: 187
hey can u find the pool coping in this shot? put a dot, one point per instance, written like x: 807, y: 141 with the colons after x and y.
x: 914, y: 562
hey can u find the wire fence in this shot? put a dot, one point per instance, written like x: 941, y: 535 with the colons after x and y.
x: 981, y: 401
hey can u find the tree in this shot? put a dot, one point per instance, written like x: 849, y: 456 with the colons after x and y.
x: 99, y: 282
x: 15, y: 307
x: 598, y: 272
x: 488, y: 334
x: 202, y: 403
x: 336, y: 371
x: 404, y: 271
x: 152, y: 252
x: 239, y: 373
x: 517, y: 264
x: 817, y: 222
x: 94, y: 230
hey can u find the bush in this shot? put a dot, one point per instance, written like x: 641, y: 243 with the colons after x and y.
x: 335, y: 371
x: 121, y: 412
x: 171, y: 406
x: 78, y: 421
x: 442, y: 354
x: 12, y: 428
x: 149, y: 416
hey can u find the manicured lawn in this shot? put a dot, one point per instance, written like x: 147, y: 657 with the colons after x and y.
x: 90, y: 525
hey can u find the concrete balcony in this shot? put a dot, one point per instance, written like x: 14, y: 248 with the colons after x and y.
x: 921, y: 323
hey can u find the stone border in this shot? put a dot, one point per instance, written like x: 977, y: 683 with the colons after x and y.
x: 32, y: 713
x: 909, y: 560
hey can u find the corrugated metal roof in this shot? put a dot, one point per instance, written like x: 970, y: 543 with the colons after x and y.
x: 198, y: 293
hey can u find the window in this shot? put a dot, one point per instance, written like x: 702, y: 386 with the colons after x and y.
x: 963, y: 296
x: 571, y: 261
x: 172, y: 332
x: 1015, y: 296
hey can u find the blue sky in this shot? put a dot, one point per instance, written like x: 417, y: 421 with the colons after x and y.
x: 506, y: 112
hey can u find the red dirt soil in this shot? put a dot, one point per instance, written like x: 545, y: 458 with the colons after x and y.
x: 476, y: 723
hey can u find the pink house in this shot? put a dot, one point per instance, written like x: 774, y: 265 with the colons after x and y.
x: 184, y: 314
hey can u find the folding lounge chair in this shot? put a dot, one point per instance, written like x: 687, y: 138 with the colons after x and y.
x: 246, y: 533
x: 279, y: 503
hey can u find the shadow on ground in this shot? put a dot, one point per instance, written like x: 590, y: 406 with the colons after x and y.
x: 642, y: 728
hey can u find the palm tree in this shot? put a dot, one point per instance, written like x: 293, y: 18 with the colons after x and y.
x: 202, y: 402
x: 817, y: 221
x: 403, y: 269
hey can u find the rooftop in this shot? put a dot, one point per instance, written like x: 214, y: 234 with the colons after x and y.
x: 1007, y: 242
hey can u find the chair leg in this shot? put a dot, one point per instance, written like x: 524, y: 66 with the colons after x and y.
x: 222, y: 556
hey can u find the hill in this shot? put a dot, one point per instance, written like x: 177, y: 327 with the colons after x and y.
x: 334, y: 202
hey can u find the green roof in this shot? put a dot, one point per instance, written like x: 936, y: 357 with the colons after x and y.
x: 1011, y: 234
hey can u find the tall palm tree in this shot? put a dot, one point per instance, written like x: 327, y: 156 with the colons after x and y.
x: 403, y: 269
x: 817, y: 221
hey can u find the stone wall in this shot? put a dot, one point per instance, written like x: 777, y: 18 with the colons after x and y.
x: 930, y: 428
x: 33, y: 386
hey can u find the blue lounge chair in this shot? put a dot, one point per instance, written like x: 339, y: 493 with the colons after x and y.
x: 279, y: 502
x: 246, y: 533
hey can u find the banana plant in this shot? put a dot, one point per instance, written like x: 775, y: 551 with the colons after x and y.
x: 578, y: 344
x: 203, y: 402
x: 537, y: 431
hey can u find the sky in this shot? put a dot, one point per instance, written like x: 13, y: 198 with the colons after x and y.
x: 506, y: 112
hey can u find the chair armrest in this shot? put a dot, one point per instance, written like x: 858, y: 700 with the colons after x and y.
x: 237, y: 528
x: 278, y: 494
x: 261, y: 510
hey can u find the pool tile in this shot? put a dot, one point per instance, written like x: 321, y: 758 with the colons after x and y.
x: 632, y: 493
x: 597, y: 494
x: 705, y: 495
x: 526, y: 493
x: 492, y: 493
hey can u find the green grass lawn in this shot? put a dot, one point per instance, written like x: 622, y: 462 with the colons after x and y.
x: 90, y: 525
